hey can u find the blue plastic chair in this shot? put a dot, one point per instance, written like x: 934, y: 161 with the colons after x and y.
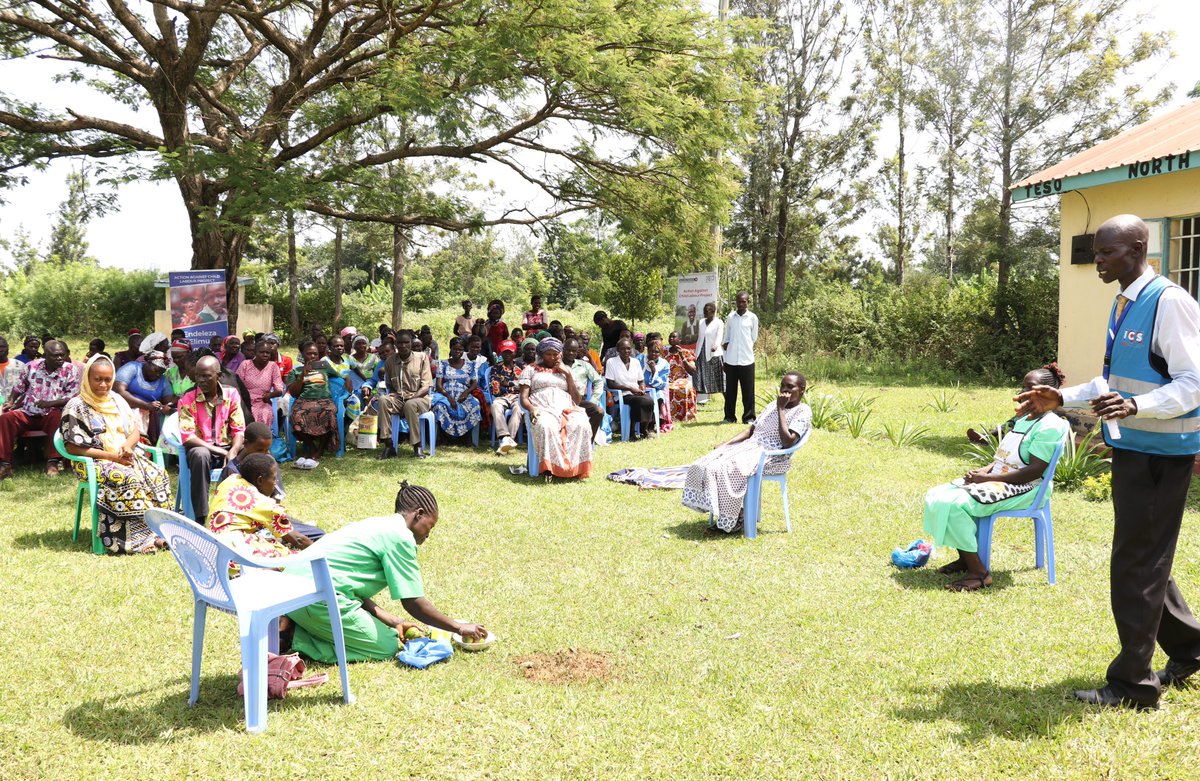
x: 88, y: 486
x: 752, y: 503
x: 428, y: 432
x: 623, y: 411
x: 1043, y: 526
x: 183, y: 490
x: 531, y: 454
x: 258, y: 597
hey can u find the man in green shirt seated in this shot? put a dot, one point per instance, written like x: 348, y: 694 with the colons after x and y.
x: 583, y: 372
x: 364, y: 558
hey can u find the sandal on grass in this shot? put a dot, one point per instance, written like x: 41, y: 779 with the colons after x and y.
x: 970, y: 583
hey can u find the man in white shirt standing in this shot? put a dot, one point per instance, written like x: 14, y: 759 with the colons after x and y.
x: 1152, y: 365
x: 741, y: 332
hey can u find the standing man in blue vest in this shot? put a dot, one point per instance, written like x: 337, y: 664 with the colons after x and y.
x: 1151, y: 388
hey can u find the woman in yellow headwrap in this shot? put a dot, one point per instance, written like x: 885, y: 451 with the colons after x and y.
x: 100, y: 425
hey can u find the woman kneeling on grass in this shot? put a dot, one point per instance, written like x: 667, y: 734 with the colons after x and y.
x: 1010, y: 482
x: 364, y: 558
x: 716, y: 484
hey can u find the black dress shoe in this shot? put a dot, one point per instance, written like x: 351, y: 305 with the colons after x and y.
x: 1108, y: 699
x: 729, y: 420
x: 387, y: 452
x: 419, y: 451
x: 1175, y: 673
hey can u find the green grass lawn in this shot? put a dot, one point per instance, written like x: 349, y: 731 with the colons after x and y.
x: 792, y: 656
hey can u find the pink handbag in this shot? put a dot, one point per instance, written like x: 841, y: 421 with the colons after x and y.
x: 283, y: 673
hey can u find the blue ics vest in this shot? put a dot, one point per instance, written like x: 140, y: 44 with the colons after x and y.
x: 1132, y: 370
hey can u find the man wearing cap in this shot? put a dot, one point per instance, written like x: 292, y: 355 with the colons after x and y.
x: 36, y: 404
x: 505, y: 397
x: 133, y: 353
x: 146, y: 389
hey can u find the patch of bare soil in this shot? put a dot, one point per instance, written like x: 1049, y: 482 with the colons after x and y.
x: 572, y: 665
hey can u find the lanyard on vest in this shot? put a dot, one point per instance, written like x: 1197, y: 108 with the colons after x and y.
x: 1113, y: 328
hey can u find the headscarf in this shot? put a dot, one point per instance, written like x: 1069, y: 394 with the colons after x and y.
x: 153, y: 341
x: 549, y: 343
x: 348, y: 331
x: 529, y: 341
x: 111, y: 407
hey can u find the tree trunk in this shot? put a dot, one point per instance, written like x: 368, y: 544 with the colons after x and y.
x: 212, y: 249
x: 399, y: 246
x: 781, y: 241
x: 949, y: 217
x: 901, y: 227
x: 293, y: 282
x: 1004, y: 233
x: 337, y: 276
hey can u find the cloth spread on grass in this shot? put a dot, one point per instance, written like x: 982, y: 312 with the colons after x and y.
x: 421, y: 652
x: 666, y: 477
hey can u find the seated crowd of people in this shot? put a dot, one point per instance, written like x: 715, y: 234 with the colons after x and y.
x: 221, y: 409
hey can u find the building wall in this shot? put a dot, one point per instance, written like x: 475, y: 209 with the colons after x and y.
x: 1084, y: 301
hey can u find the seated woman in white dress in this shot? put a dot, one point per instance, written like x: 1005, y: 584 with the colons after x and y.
x: 559, y: 427
x: 716, y: 484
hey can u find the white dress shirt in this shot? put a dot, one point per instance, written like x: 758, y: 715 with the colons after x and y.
x: 741, y: 332
x: 712, y: 336
x: 1177, y: 339
x: 616, y: 370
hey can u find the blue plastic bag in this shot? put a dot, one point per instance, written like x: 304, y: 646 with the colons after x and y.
x: 421, y: 652
x: 915, y: 555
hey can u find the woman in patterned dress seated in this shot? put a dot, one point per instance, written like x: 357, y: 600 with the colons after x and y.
x: 454, y: 407
x: 245, y: 514
x: 716, y: 483
x: 1010, y: 482
x: 99, y: 424
x: 559, y: 427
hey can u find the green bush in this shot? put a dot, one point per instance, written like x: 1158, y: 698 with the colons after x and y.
x: 78, y: 299
x: 1098, y: 488
x: 926, y: 322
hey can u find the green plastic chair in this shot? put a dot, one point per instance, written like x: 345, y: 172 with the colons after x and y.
x: 88, y: 486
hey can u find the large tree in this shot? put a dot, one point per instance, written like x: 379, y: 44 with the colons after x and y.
x: 813, y: 135
x: 598, y: 103
x: 1050, y: 72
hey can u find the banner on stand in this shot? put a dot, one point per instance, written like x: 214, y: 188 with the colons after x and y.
x: 198, y: 305
x: 694, y: 291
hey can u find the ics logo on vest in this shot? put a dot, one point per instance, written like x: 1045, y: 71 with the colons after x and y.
x: 1132, y: 337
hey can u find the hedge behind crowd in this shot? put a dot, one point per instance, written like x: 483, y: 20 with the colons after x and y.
x: 77, y: 299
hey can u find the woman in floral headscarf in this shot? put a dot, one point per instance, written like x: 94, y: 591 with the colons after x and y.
x: 99, y: 424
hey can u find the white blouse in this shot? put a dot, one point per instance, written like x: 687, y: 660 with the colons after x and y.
x: 616, y: 370
x: 712, y: 337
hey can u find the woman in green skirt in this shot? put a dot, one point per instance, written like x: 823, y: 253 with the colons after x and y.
x: 365, y: 558
x: 1010, y: 482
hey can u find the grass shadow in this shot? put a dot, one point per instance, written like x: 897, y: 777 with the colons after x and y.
x: 949, y: 445
x: 987, y: 710
x: 929, y: 579
x: 697, y: 530
x: 117, y: 720
x: 56, y: 540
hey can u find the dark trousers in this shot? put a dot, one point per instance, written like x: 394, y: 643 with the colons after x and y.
x: 15, y: 423
x: 641, y: 410
x: 1149, y: 494
x: 744, y: 376
x: 201, y: 462
x: 595, y: 416
x: 314, y: 533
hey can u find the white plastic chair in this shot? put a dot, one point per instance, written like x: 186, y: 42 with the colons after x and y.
x: 258, y: 598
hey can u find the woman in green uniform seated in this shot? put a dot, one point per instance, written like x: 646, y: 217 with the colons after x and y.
x: 364, y: 558
x: 1008, y: 483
